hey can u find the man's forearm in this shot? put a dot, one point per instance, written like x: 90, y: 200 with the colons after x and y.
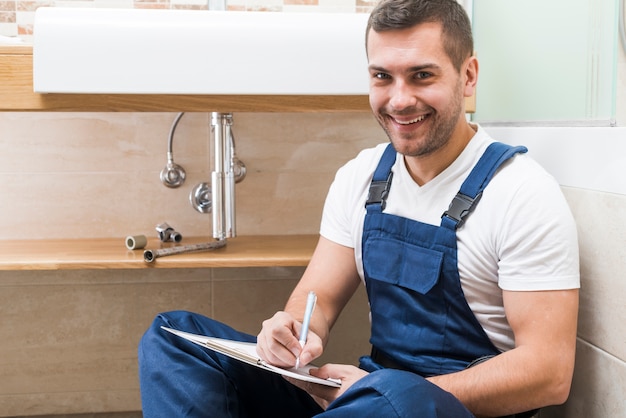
x: 509, y: 383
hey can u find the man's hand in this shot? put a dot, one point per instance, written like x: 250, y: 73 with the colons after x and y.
x: 278, y: 344
x: 324, y: 395
x: 333, y: 276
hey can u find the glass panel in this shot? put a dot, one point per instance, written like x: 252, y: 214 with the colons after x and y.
x: 546, y: 61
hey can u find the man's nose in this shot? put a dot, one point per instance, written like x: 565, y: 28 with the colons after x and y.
x: 401, y: 96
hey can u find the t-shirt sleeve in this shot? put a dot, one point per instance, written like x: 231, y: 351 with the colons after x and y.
x: 345, y: 201
x: 335, y: 219
x: 538, y: 245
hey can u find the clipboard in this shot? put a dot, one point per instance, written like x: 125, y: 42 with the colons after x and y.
x: 246, y: 353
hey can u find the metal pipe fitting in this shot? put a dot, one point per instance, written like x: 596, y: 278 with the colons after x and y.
x: 136, y: 242
x: 200, y: 197
x: 167, y: 233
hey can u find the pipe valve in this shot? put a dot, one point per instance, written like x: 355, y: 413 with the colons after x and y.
x: 167, y: 233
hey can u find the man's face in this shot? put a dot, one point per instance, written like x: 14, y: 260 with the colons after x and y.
x: 415, y: 92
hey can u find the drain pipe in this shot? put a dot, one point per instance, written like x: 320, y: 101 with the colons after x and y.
x: 222, y: 178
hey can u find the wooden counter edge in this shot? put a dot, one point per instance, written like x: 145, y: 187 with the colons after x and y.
x: 111, y: 253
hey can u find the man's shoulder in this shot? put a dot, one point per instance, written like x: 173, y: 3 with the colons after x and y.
x: 522, y: 169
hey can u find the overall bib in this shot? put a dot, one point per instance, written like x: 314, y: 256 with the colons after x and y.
x: 421, y: 321
x: 422, y: 324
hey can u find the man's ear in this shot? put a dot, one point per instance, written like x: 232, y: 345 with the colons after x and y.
x: 470, y: 73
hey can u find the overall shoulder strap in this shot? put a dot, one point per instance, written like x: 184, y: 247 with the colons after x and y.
x: 381, y: 182
x: 472, y: 188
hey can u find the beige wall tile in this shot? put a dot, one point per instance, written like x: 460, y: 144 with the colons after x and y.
x: 74, y: 335
x: 257, y: 273
x: 97, y: 174
x: 244, y: 304
x: 602, y: 240
x: 67, y: 342
x: 600, y: 372
x: 349, y: 338
x: 100, y: 142
x: 598, y: 389
x: 67, y: 405
x: 62, y: 205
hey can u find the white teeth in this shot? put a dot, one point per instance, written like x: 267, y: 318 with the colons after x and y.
x: 418, y: 119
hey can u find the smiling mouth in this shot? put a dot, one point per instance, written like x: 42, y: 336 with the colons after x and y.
x: 409, y: 122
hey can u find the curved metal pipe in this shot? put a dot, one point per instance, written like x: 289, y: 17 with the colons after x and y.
x: 173, y: 175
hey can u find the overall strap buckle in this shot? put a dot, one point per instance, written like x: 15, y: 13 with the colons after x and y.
x: 379, y: 191
x: 379, y: 186
x: 461, y: 206
x: 482, y: 173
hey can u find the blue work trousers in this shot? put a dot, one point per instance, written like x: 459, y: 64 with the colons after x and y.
x: 181, y: 379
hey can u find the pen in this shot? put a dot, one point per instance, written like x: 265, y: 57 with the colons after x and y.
x: 308, y: 312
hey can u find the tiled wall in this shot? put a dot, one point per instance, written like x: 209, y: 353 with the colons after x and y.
x: 81, y: 175
x: 16, y: 16
x: 72, y: 336
x: 600, y: 373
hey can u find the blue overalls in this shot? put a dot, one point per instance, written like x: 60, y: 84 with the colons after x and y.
x: 421, y: 326
x: 420, y: 318
x: 421, y: 321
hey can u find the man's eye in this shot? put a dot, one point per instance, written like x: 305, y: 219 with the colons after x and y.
x: 422, y: 75
x: 381, y: 76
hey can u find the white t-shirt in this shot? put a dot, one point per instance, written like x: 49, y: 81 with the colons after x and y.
x: 521, y: 236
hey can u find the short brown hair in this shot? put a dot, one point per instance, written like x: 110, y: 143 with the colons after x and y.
x: 403, y: 14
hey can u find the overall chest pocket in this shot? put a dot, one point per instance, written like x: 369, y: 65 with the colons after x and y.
x: 402, y: 264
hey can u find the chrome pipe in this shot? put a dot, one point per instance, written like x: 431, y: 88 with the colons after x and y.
x: 222, y: 178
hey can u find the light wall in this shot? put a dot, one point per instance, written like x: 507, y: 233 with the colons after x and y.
x: 621, y: 86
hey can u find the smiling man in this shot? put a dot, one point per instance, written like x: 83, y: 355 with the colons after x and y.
x: 466, y: 247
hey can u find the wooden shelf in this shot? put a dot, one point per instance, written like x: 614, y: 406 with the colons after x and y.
x: 111, y: 253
